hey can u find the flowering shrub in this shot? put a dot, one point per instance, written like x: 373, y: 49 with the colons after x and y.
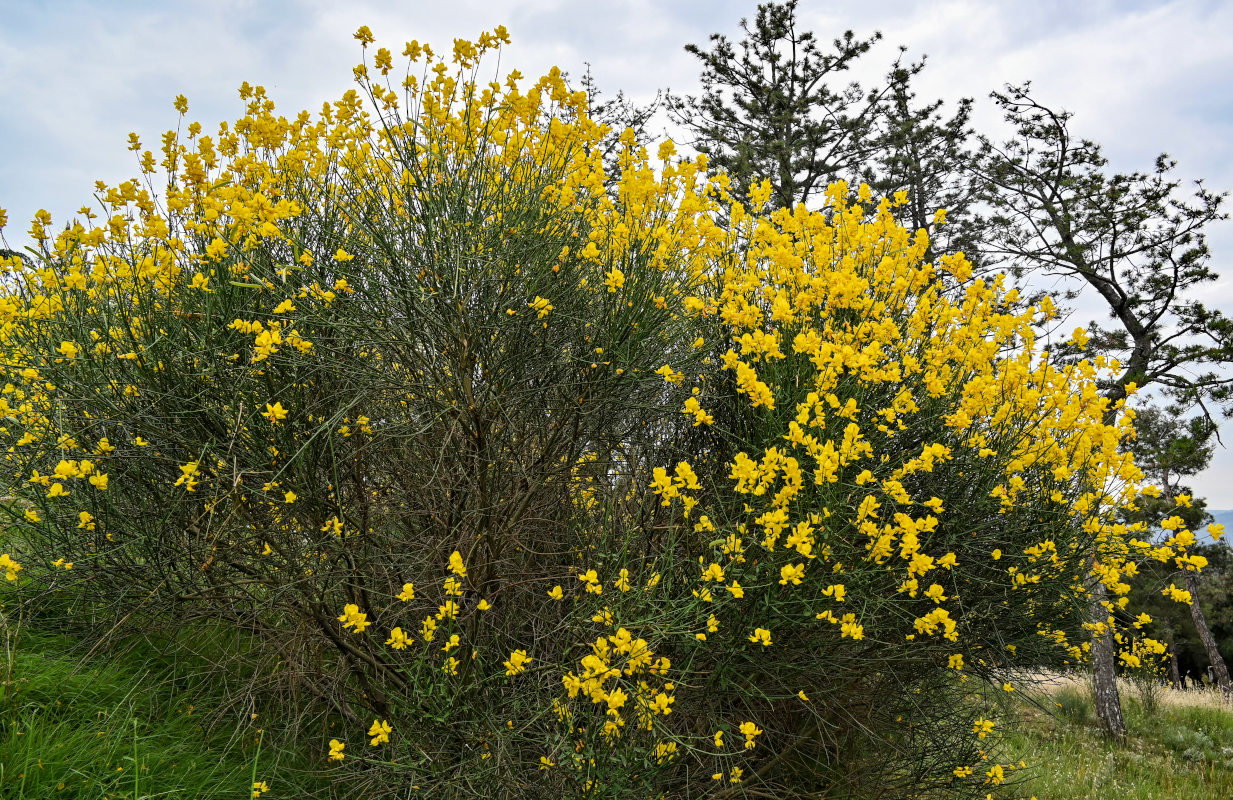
x: 540, y: 480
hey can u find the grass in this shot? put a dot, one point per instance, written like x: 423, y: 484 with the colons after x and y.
x: 124, y: 727
x: 1182, y: 750
x: 134, y: 726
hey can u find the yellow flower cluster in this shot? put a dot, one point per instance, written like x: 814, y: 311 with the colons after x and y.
x: 605, y: 675
x: 10, y: 567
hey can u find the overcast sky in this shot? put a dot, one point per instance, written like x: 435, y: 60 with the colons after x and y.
x: 1141, y: 76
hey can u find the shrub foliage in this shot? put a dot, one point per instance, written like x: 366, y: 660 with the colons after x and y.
x: 538, y: 478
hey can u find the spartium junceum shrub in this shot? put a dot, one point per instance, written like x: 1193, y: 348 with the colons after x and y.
x: 535, y: 481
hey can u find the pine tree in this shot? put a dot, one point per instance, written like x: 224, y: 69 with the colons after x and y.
x: 920, y: 150
x: 771, y: 109
x: 768, y: 110
x: 1141, y: 245
x: 1169, y: 449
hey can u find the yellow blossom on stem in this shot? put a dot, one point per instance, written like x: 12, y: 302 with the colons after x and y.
x: 380, y: 732
x: 275, y: 412
x: 750, y: 730
x: 761, y: 636
x: 516, y: 662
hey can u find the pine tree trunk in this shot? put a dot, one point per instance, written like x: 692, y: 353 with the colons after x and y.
x: 1220, y: 670
x: 1104, y: 673
x: 1104, y: 649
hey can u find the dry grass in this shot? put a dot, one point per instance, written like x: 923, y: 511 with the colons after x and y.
x: 1194, y: 696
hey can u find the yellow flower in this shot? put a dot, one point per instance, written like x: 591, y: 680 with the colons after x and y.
x: 188, y: 473
x: 380, y: 732
x: 849, y: 627
x: 750, y: 730
x: 700, y: 415
x: 398, y: 639
x: 259, y: 787
x: 670, y: 375
x: 342, y: 255
x: 791, y: 573
x: 1177, y: 595
x: 275, y: 412
x: 352, y: 617
x: 761, y: 636
x: 556, y: 593
x: 289, y: 497
x: 591, y: 578
x: 407, y: 593
x: 541, y: 305
x: 336, y: 750
x: 516, y: 662
x: 615, y: 279
x: 10, y: 567
x: 456, y: 565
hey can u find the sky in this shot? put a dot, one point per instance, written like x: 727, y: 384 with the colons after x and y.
x: 1141, y: 76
